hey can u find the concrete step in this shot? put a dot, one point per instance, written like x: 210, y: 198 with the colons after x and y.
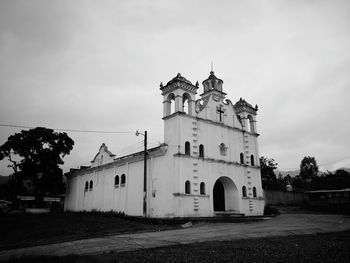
x: 228, y: 214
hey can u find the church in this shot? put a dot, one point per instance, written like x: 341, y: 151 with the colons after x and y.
x: 207, y: 166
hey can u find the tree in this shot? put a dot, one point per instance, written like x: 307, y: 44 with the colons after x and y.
x: 35, y: 155
x: 308, y: 169
x: 268, y: 176
x: 340, y: 179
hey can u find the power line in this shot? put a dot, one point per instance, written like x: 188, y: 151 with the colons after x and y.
x: 336, y: 161
x: 68, y: 130
x: 321, y: 164
x: 126, y: 132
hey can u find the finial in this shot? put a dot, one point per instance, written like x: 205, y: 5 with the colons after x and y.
x: 161, y: 85
x: 197, y: 84
x: 212, y: 70
x: 178, y: 75
x: 256, y: 107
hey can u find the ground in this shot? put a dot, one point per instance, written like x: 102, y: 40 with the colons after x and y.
x: 298, y: 236
x: 334, y: 247
x: 23, y: 230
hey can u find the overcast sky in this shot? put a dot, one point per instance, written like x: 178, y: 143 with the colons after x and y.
x: 97, y: 65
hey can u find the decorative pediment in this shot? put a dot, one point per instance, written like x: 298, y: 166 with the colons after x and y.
x: 242, y: 106
x: 201, y: 104
x: 178, y: 82
x: 103, y: 156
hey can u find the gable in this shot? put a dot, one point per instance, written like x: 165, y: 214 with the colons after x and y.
x: 103, y: 156
x: 217, y: 109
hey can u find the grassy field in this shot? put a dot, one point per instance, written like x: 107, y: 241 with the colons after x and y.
x: 334, y: 247
x: 21, y: 230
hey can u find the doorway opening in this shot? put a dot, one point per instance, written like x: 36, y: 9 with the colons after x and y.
x: 225, y: 195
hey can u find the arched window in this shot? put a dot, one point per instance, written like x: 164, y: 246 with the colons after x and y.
x: 250, y: 126
x: 202, y: 188
x: 186, y: 99
x: 123, y: 180
x: 201, y: 151
x: 187, y: 148
x: 242, y: 158
x: 170, y: 104
x: 239, y: 119
x: 91, y: 185
x: 187, y: 187
x: 86, y: 185
x: 223, y: 149
x: 116, y: 180
x: 254, y: 191
x: 244, y: 191
x: 252, y: 160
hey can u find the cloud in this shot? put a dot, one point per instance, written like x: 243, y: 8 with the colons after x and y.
x: 97, y: 65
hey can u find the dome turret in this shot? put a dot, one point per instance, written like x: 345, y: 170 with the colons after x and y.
x: 212, y: 83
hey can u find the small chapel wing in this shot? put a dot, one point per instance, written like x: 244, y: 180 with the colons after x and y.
x: 103, y: 156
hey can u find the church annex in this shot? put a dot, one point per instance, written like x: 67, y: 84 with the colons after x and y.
x: 207, y: 165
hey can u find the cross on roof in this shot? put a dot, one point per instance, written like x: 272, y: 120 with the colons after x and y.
x: 220, y: 110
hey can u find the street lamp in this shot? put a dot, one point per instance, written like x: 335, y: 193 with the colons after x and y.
x: 144, y: 173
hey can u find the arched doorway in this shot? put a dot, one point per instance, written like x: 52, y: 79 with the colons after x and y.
x: 219, y: 196
x: 225, y: 195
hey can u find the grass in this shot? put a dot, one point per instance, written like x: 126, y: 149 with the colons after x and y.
x: 22, y: 230
x: 333, y: 247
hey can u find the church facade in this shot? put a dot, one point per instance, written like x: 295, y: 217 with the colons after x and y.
x: 208, y: 164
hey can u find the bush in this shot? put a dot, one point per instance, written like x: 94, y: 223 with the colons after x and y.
x: 270, y: 211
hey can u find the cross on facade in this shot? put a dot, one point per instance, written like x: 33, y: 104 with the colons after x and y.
x: 220, y: 111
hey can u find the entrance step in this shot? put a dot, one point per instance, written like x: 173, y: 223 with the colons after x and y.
x: 228, y: 214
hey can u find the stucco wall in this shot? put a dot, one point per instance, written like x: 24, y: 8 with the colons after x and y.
x: 212, y: 122
x: 105, y: 196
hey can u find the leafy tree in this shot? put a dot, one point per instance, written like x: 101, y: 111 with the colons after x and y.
x: 297, y: 183
x: 340, y: 179
x: 268, y: 176
x: 308, y: 169
x: 35, y: 155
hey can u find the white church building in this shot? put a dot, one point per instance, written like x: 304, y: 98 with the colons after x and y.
x: 208, y: 164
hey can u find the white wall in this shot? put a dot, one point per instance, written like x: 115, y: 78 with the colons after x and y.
x: 105, y: 196
x: 168, y: 172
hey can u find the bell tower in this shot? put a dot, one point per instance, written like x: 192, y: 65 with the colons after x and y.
x: 178, y: 96
x: 247, y: 115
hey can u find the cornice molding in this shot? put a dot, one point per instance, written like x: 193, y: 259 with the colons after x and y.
x: 179, y: 85
x: 216, y: 161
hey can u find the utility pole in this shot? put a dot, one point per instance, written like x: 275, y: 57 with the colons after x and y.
x: 145, y: 179
x: 144, y: 173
